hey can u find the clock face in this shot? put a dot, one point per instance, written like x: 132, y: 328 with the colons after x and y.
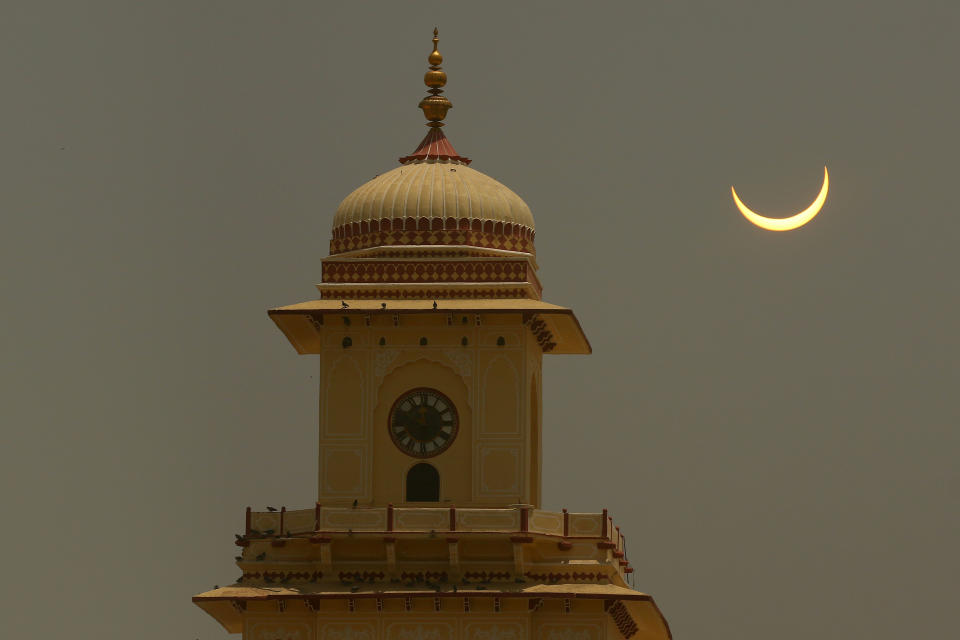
x: 423, y: 423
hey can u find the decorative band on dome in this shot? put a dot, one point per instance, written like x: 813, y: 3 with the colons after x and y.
x: 485, y: 234
x: 435, y: 146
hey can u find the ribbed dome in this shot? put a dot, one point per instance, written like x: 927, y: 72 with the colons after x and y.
x: 433, y: 198
x: 447, y: 191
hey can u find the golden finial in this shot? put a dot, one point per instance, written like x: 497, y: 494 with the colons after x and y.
x: 435, y: 57
x: 435, y: 106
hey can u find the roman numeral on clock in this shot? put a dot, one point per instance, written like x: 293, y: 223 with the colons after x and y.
x: 423, y: 423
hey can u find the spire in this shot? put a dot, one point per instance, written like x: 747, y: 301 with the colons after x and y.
x: 435, y: 106
x: 435, y: 145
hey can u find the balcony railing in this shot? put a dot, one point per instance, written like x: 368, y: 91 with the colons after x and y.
x: 519, y: 520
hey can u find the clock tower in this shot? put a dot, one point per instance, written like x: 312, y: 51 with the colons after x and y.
x: 430, y: 333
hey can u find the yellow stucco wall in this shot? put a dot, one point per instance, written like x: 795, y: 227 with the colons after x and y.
x: 451, y: 619
x: 495, y: 458
x: 513, y: 622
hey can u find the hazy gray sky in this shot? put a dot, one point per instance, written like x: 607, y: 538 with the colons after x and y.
x: 771, y: 418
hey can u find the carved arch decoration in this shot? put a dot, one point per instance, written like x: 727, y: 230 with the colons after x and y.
x: 393, y: 361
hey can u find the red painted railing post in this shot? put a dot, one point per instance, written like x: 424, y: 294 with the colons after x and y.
x: 566, y: 523
x: 247, y: 524
x: 283, y: 513
x: 524, y: 520
x: 390, y: 516
x: 603, y: 532
x: 453, y: 518
x: 316, y: 517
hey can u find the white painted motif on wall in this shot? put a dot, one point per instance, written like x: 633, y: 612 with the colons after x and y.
x: 339, y: 518
x: 421, y: 518
x: 299, y: 631
x: 486, y: 519
x: 412, y: 631
x: 394, y: 362
x: 382, y: 361
x: 462, y: 360
x: 493, y: 631
x: 545, y: 522
x: 348, y: 632
x: 586, y: 524
x: 299, y: 520
x: 265, y: 521
x: 552, y: 631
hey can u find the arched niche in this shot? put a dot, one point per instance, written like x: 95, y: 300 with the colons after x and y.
x: 422, y: 483
x: 390, y: 463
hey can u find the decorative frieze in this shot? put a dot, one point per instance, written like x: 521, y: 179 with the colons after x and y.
x: 487, y: 576
x: 341, y: 242
x: 563, y: 631
x: 282, y: 577
x: 426, y: 271
x: 361, y: 576
x: 429, y: 291
x: 566, y: 576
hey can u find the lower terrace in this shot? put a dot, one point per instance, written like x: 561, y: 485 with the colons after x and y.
x: 516, y: 545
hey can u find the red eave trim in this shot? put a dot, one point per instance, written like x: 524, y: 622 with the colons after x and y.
x: 431, y: 594
x: 435, y: 146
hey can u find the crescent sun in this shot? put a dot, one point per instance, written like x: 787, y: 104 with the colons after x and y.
x: 785, y: 224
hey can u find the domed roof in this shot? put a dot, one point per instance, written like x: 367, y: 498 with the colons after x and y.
x: 433, y: 198
x: 433, y: 189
